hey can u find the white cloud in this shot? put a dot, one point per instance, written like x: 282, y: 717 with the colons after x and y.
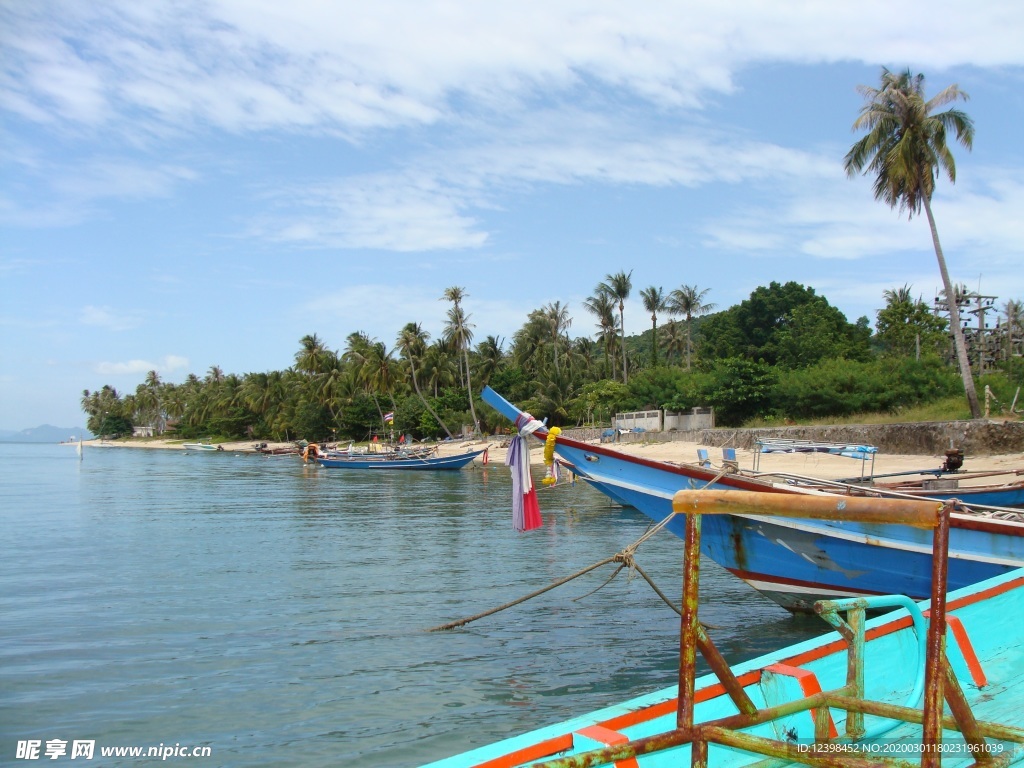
x: 105, y: 317
x: 167, y: 365
x: 381, y: 310
x: 244, y: 65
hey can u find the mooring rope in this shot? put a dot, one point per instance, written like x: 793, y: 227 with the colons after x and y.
x: 549, y: 587
x: 626, y: 559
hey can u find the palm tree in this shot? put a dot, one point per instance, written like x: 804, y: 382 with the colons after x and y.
x: 675, y: 340
x: 654, y: 302
x: 688, y: 301
x: 334, y: 383
x: 412, y: 345
x: 440, y: 364
x: 897, y: 295
x: 558, y: 321
x: 459, y: 329
x: 381, y: 374
x: 312, y: 357
x: 529, y: 342
x: 600, y: 305
x: 906, y: 148
x: 491, y: 356
x: 618, y: 286
x: 372, y: 366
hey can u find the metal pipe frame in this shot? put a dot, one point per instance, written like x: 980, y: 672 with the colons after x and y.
x: 940, y: 684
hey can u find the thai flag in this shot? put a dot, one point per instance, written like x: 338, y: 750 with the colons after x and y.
x: 389, y: 416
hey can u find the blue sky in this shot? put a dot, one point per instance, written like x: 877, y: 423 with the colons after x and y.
x: 191, y: 184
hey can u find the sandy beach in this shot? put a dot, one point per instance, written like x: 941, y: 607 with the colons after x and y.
x: 819, y: 465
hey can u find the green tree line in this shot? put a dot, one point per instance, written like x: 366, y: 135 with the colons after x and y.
x: 784, y: 353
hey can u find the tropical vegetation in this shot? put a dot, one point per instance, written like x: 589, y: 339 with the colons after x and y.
x: 781, y: 355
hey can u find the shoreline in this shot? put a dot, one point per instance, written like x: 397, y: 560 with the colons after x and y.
x: 818, y: 465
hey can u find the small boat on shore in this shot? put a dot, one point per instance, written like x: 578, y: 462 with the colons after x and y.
x: 201, y: 447
x: 873, y: 692
x: 396, y: 460
x: 794, y: 562
x: 281, y: 450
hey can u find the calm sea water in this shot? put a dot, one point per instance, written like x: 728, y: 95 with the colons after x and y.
x: 275, y: 612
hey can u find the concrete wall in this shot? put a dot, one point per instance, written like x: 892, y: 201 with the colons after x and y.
x: 698, y: 418
x: 649, y: 421
x: 979, y: 438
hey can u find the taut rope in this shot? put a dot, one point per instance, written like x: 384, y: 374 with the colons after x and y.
x: 625, y: 558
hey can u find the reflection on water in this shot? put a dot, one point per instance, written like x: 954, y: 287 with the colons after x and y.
x: 275, y: 611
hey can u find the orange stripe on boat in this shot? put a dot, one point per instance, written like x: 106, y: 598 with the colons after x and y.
x: 607, y: 736
x: 809, y: 684
x: 533, y: 752
x: 967, y: 649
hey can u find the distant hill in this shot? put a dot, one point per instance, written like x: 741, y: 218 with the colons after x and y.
x: 44, y: 434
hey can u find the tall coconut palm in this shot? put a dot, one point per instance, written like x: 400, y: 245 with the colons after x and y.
x: 312, y: 357
x: 412, y: 345
x: 602, y: 307
x: 906, y: 148
x: 529, y: 342
x: 618, y: 287
x: 654, y: 302
x: 688, y: 301
x: 558, y: 321
x: 458, y: 328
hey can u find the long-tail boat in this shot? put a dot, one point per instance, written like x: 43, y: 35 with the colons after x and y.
x: 793, y: 561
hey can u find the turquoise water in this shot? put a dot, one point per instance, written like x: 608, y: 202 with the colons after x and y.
x: 275, y: 612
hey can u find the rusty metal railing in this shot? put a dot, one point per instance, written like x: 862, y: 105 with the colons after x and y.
x: 939, y: 682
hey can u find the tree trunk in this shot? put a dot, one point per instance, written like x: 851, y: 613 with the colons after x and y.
x: 689, y: 340
x: 654, y: 341
x: 469, y: 388
x: 959, y: 343
x: 622, y: 322
x: 412, y: 367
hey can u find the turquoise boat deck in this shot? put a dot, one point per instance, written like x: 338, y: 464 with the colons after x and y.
x: 872, y: 690
x: 984, y: 646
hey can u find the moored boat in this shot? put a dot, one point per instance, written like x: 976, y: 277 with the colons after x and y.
x: 871, y: 693
x: 201, y: 447
x: 794, y: 562
x: 279, y: 450
x: 397, y: 460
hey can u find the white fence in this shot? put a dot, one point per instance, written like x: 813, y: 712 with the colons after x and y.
x: 665, y: 421
x: 698, y: 418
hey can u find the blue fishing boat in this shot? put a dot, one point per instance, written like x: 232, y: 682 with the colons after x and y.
x: 397, y: 461
x: 794, y: 562
x: 929, y: 684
